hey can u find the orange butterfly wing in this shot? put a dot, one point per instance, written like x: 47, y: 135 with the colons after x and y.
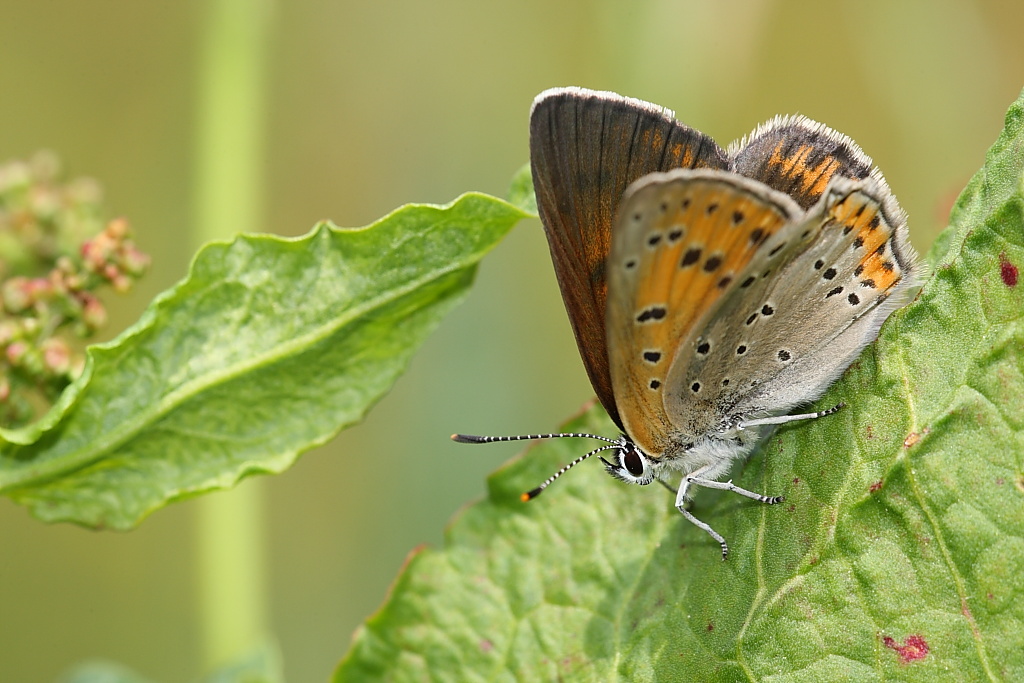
x: 586, y: 147
x: 681, y: 241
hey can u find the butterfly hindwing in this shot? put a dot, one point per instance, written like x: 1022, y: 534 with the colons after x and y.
x: 682, y: 243
x: 809, y: 322
x: 586, y: 147
x: 799, y: 157
x: 837, y: 292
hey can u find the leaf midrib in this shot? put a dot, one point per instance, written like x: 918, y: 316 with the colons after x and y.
x: 77, y: 459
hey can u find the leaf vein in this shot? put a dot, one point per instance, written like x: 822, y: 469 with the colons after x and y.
x: 920, y: 497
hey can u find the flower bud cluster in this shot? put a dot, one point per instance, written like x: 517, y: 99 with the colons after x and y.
x: 55, y: 254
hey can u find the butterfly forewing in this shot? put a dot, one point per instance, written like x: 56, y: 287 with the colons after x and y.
x: 682, y: 242
x: 586, y: 147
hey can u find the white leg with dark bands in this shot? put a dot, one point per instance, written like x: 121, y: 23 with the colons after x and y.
x: 702, y: 525
x: 729, y: 486
x: 783, y: 419
x: 695, y: 478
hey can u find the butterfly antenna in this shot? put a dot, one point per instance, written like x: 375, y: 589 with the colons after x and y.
x: 469, y: 438
x: 530, y: 495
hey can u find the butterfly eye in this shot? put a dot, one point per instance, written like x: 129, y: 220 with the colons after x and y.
x: 633, y: 463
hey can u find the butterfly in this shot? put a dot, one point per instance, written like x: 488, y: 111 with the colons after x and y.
x: 711, y: 292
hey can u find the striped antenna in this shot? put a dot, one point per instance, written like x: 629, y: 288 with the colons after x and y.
x: 469, y: 438
x: 530, y: 495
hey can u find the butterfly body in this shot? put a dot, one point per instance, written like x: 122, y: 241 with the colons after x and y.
x: 711, y: 292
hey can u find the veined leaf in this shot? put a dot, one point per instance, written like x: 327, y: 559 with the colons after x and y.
x: 897, y: 555
x: 269, y: 347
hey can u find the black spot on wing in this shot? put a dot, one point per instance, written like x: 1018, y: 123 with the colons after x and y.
x: 651, y: 313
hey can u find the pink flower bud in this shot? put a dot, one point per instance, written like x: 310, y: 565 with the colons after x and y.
x: 65, y: 264
x: 41, y: 289
x: 94, y: 315
x: 117, y: 229
x: 58, y: 283
x: 56, y: 356
x: 15, y: 352
x: 93, y: 257
x: 134, y: 261
x: 122, y: 283
x: 8, y: 331
x: 17, y: 294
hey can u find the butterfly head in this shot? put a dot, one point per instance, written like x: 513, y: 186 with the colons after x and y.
x: 630, y: 464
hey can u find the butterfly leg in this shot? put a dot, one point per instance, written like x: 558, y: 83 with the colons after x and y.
x: 783, y: 419
x: 667, y: 485
x: 706, y: 527
x: 681, y: 501
x: 729, y: 486
x: 695, y: 478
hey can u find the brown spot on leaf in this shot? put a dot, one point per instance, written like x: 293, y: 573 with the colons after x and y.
x: 914, y: 437
x: 486, y: 645
x: 1007, y: 271
x: 877, y: 486
x: 915, y: 647
x: 965, y: 610
x: 711, y: 627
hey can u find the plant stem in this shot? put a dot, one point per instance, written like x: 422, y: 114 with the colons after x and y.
x: 229, y: 162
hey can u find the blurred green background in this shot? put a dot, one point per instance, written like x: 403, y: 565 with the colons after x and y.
x: 371, y: 105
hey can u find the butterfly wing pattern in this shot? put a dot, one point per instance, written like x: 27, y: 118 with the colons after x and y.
x: 579, y: 184
x: 682, y: 246
x: 711, y: 292
x: 826, y: 302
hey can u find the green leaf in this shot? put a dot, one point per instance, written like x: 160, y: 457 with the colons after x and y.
x: 267, y: 349
x: 521, y: 191
x: 897, y: 555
